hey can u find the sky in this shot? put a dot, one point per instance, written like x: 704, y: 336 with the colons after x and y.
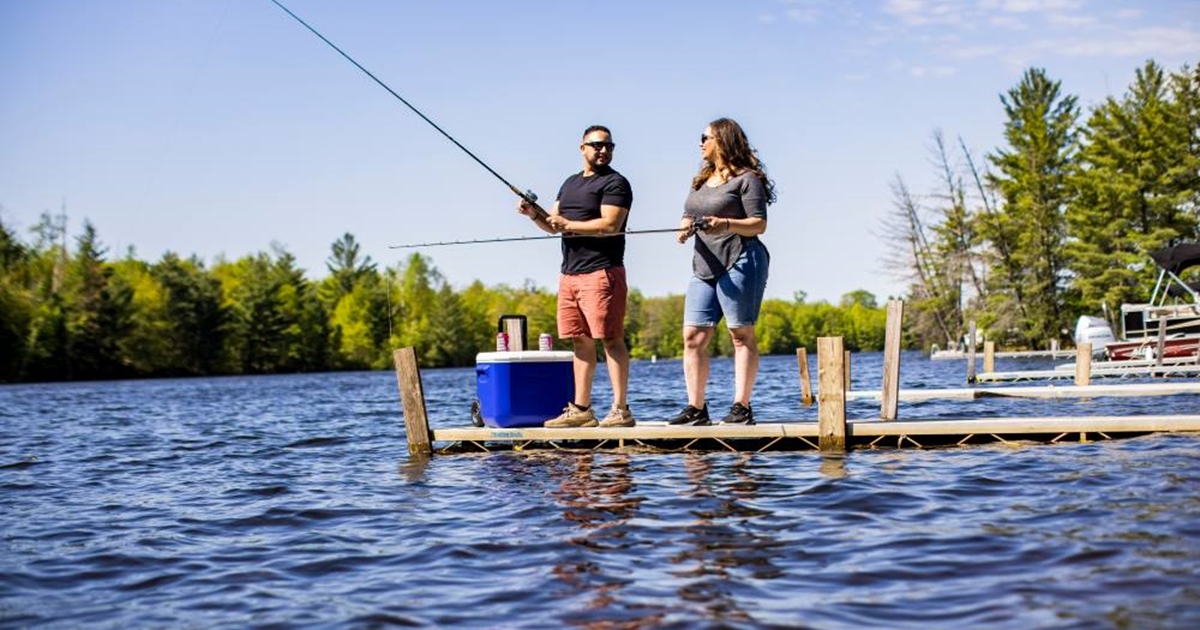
x: 223, y: 128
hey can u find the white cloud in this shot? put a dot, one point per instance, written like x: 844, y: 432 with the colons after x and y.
x: 1063, y: 19
x: 806, y: 15
x: 804, y: 11
x: 1030, y: 6
x: 926, y: 12
x: 1007, y: 21
x: 1141, y: 42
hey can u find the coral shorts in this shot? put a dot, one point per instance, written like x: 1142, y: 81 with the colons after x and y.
x: 592, y: 304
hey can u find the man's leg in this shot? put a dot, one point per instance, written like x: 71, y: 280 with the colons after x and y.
x: 585, y: 369
x: 618, y: 370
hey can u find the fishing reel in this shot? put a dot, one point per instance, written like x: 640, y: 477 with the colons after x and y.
x: 698, y: 224
x: 530, y: 198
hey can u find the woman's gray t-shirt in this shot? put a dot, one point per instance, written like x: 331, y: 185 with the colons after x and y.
x: 741, y: 197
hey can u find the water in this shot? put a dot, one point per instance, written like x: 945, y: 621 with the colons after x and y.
x: 289, y: 501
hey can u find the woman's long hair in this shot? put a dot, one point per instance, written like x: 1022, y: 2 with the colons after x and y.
x: 737, y: 154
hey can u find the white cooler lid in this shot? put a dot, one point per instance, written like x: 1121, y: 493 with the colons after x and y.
x: 525, y: 356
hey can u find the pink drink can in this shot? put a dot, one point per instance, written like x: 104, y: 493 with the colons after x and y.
x: 545, y: 342
x: 501, y: 342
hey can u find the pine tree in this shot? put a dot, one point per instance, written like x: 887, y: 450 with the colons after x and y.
x: 1135, y: 189
x: 1042, y: 135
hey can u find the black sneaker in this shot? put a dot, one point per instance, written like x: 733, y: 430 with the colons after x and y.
x: 693, y: 416
x: 739, y: 414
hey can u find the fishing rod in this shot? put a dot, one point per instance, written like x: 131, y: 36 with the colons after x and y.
x: 697, y: 224
x: 528, y: 195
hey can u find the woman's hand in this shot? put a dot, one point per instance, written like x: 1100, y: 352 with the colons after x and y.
x: 717, y: 225
x: 685, y: 229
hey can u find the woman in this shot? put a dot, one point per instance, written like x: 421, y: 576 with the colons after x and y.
x: 727, y: 211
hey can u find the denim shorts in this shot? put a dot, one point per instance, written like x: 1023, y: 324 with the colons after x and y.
x: 737, y: 294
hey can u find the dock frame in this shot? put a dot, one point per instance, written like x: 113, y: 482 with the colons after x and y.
x: 832, y: 433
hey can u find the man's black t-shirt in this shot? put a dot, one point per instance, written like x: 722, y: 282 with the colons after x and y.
x: 580, y: 199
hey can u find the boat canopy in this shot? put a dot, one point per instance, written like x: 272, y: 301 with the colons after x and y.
x: 1173, y: 261
x: 1176, y: 258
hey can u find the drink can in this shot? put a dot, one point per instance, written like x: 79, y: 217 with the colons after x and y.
x: 501, y: 342
x: 545, y: 342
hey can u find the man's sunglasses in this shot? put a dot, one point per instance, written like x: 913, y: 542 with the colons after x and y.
x: 600, y: 145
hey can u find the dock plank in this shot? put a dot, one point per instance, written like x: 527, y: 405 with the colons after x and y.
x: 859, y: 428
x: 1051, y: 392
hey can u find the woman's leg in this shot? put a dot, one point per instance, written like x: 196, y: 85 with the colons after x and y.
x: 695, y: 362
x: 745, y: 363
x: 740, y: 293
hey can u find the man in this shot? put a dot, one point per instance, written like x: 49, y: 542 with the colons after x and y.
x: 591, y: 288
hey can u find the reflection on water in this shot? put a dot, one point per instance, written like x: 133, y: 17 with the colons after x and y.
x: 292, y: 502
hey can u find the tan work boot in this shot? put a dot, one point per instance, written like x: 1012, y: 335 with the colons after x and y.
x: 571, y: 417
x: 618, y: 417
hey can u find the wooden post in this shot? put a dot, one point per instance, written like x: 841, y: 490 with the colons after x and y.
x: 412, y: 396
x: 846, y: 367
x: 1162, y: 341
x: 971, y: 354
x: 989, y: 357
x: 806, y: 397
x: 831, y: 394
x: 1083, y: 363
x: 891, y: 361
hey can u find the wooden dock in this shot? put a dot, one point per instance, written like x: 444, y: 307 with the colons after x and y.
x: 832, y: 432
x: 1096, y: 372
x: 658, y: 436
x: 1051, y: 392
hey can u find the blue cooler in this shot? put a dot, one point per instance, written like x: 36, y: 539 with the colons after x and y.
x: 523, y: 389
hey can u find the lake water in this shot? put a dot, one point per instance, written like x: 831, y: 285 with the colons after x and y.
x: 290, y: 501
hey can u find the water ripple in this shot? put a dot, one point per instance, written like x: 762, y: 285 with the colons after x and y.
x: 289, y: 501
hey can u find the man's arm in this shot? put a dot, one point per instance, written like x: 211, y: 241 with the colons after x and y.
x: 544, y: 224
x: 609, y: 222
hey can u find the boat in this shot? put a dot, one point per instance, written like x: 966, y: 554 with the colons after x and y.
x: 1171, y: 318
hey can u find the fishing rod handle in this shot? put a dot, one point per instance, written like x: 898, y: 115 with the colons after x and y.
x: 530, y: 197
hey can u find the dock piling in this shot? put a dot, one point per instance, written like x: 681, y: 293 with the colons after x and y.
x: 1083, y: 363
x: 806, y: 395
x: 846, y: 370
x: 831, y: 394
x: 1161, y: 348
x: 412, y: 397
x: 889, y: 407
x: 989, y: 357
x: 971, y: 353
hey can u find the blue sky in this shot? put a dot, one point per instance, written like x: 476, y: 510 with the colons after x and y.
x: 219, y: 127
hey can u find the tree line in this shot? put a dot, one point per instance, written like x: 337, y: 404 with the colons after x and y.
x: 68, y: 312
x: 1058, y: 222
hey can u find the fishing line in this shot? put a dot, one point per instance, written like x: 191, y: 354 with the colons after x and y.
x: 697, y: 224
x: 527, y: 195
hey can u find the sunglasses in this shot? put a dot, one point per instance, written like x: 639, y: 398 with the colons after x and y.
x: 705, y: 138
x: 600, y: 145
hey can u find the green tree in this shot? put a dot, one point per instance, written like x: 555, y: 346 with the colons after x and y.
x: 1135, y: 188
x: 347, y: 267
x: 99, y: 313
x: 195, y: 315
x: 1041, y: 134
